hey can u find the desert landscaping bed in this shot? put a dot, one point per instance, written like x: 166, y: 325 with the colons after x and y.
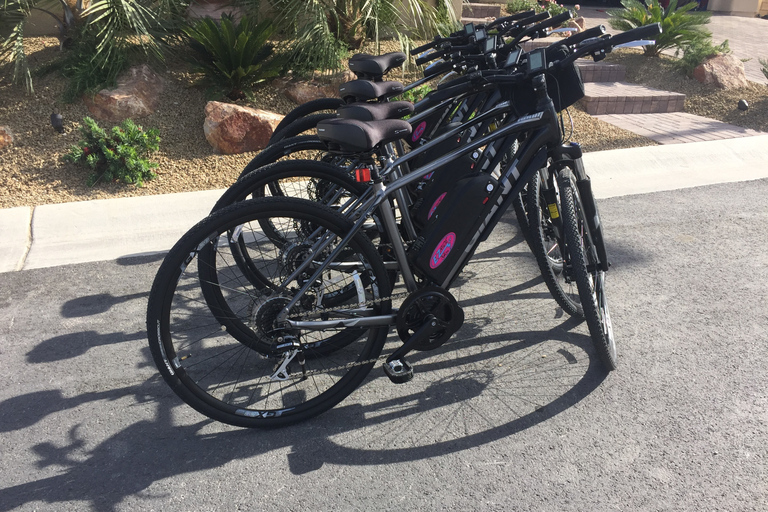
x: 32, y: 171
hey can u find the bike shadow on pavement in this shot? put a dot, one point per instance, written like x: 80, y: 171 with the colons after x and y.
x: 379, y: 424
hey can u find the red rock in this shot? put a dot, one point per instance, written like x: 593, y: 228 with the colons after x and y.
x: 723, y: 71
x: 6, y: 137
x: 137, y: 95
x: 234, y: 129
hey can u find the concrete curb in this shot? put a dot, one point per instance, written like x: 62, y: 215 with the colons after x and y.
x: 100, y: 230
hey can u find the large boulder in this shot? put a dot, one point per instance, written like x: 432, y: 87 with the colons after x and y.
x: 6, y: 137
x: 137, y: 95
x: 723, y: 71
x: 234, y: 129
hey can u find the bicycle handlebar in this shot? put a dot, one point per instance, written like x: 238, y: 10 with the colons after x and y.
x: 438, y: 41
x: 644, y: 32
x: 584, y: 34
x: 438, y: 68
x: 514, y: 17
x: 524, y: 23
x: 604, y: 44
x: 432, y: 56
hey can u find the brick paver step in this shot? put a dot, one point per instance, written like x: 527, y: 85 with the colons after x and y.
x: 601, y: 71
x: 478, y: 10
x: 623, y: 98
x: 677, y: 127
x: 476, y: 21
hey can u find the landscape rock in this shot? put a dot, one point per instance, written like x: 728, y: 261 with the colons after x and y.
x: 577, y: 23
x: 6, y: 137
x: 322, y: 86
x: 136, y: 95
x: 723, y: 71
x: 214, y: 9
x: 232, y: 129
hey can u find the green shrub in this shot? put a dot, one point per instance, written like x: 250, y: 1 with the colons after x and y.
x: 516, y: 6
x: 697, y: 52
x: 551, y: 6
x: 117, y: 155
x: 233, y: 55
x: 680, y: 27
x: 416, y: 94
x: 764, y: 69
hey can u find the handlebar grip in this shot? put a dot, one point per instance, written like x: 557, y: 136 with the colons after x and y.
x: 557, y: 20
x: 429, y: 58
x: 513, y: 17
x: 584, y: 34
x: 526, y: 21
x: 511, y: 79
x: 644, y: 32
x: 431, y: 44
x: 438, y: 68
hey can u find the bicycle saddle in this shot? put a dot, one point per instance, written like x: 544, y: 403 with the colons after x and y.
x: 376, y: 111
x: 375, y: 66
x: 360, y: 137
x: 364, y: 90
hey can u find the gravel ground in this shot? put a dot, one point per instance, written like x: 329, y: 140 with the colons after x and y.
x: 32, y: 171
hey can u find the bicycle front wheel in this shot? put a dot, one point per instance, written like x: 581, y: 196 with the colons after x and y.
x: 590, y: 278
x: 217, y: 340
x: 546, y: 245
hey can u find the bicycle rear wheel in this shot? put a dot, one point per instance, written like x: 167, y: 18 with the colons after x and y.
x: 216, y: 339
x: 318, y: 106
x: 304, y: 147
x: 586, y: 268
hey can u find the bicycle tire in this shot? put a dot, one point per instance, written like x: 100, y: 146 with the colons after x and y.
x: 300, y: 126
x: 230, y: 380
x: 315, y: 181
x: 519, y: 203
x: 308, y: 147
x: 548, y: 251
x: 589, y: 278
x: 318, y: 106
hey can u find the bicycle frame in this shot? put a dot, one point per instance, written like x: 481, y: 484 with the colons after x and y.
x: 544, y: 134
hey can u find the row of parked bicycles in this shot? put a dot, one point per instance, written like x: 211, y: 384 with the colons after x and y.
x: 276, y: 306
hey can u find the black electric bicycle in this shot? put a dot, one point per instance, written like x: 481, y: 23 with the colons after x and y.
x: 299, y: 330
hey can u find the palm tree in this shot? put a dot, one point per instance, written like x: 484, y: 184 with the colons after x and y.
x: 112, y: 27
x: 323, y: 31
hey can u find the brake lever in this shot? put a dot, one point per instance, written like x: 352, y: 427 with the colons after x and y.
x: 632, y: 44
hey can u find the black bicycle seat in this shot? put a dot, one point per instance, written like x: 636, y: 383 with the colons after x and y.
x: 375, y: 66
x: 358, y: 136
x: 376, y: 111
x: 365, y: 90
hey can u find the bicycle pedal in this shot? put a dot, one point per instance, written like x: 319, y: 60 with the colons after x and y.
x: 398, y: 371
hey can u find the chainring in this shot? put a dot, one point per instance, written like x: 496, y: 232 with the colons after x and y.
x: 429, y: 300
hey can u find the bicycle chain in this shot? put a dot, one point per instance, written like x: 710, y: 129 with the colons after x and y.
x: 309, y: 373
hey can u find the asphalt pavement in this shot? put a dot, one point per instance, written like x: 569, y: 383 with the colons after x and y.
x: 513, y: 413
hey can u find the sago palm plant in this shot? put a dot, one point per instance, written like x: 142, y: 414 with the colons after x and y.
x: 680, y: 27
x: 323, y: 31
x: 234, y: 54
